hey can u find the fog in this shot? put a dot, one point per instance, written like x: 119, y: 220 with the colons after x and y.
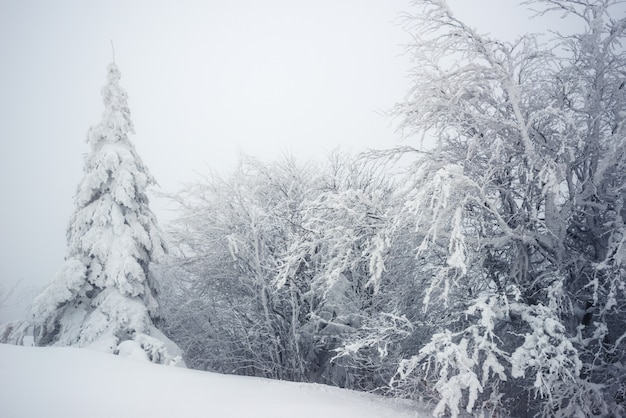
x: 207, y: 81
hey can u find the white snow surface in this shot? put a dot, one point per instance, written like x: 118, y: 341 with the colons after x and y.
x: 71, y: 382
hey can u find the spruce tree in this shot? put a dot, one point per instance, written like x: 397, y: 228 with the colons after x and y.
x: 103, y: 296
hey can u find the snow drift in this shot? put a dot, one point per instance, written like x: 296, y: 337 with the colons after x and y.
x: 72, y: 382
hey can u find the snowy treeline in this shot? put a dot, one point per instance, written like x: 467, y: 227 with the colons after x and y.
x: 488, y: 277
x: 482, y: 269
x: 275, y: 268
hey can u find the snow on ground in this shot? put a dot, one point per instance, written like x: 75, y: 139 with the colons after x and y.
x: 70, y: 382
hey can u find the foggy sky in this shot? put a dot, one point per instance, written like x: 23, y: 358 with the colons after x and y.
x: 206, y: 80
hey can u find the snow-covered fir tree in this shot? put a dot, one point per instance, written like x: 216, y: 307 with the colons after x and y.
x: 103, y: 297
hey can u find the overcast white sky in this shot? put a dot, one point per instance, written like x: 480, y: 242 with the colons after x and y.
x: 206, y: 79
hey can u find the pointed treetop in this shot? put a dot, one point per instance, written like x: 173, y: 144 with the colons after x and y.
x: 116, y: 123
x: 113, y: 73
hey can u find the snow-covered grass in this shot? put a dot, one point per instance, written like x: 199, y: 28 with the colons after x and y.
x: 71, y: 382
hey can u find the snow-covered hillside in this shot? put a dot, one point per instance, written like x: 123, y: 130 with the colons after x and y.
x: 71, y: 382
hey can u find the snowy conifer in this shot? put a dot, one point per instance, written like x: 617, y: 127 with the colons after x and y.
x: 103, y: 296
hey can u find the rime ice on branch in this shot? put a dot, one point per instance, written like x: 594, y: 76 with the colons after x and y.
x: 103, y: 297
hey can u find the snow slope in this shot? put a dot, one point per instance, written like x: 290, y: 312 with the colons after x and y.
x: 71, y: 382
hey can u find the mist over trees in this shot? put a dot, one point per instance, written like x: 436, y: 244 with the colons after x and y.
x: 487, y: 277
x: 480, y: 268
